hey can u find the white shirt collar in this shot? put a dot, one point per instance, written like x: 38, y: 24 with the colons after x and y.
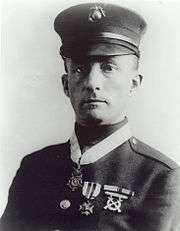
x: 100, y: 149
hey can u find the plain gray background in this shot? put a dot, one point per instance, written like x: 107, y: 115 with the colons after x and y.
x: 34, y: 111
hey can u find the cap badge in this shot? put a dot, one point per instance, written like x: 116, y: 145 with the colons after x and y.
x: 96, y: 14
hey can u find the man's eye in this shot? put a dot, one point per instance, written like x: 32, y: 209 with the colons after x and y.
x: 108, y: 67
x: 78, y: 70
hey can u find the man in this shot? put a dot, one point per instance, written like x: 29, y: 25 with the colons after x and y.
x: 102, y: 178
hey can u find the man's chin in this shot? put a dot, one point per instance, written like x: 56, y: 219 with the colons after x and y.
x: 92, y: 120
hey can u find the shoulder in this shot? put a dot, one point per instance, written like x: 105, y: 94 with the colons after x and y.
x: 42, y: 165
x: 47, y: 155
x: 152, y: 154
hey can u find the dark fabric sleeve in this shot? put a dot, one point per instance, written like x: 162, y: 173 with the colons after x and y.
x: 162, y: 206
x: 170, y: 216
x: 11, y: 216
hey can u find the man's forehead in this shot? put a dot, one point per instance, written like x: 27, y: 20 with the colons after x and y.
x: 109, y: 58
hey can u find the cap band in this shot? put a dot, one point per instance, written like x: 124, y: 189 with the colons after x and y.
x: 101, y: 46
x: 115, y: 36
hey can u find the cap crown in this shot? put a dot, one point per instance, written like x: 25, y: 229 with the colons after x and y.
x: 99, y: 22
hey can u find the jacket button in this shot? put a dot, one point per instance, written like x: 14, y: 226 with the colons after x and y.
x: 65, y: 204
x: 134, y: 141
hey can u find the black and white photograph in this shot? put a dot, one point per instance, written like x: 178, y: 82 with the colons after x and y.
x: 90, y: 115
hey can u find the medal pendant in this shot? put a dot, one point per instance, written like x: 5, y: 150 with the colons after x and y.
x: 90, y: 191
x: 75, y: 181
x: 114, y: 201
x: 86, y: 208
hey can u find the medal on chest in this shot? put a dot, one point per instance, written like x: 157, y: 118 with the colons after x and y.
x: 75, y: 181
x: 90, y: 191
x: 115, y: 197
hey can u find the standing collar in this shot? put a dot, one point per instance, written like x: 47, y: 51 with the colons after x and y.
x: 100, y: 149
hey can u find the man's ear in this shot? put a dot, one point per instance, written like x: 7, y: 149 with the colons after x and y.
x: 136, y: 82
x: 65, y: 84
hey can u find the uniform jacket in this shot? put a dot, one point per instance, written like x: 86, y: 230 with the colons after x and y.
x: 41, y: 184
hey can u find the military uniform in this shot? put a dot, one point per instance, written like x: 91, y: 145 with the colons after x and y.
x: 118, y: 183
x: 137, y: 188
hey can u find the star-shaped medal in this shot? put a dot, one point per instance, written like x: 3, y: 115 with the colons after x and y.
x: 86, y: 208
x: 75, y: 181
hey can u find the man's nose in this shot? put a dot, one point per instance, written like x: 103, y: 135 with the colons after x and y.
x: 94, y: 78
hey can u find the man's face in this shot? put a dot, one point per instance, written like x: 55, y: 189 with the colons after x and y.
x: 99, y: 87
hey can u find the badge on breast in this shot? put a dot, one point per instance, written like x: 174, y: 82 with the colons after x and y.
x: 116, y: 196
x: 90, y: 191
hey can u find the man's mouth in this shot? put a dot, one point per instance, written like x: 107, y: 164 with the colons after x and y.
x: 94, y: 101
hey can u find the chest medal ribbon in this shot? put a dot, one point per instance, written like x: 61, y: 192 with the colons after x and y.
x: 90, y: 190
